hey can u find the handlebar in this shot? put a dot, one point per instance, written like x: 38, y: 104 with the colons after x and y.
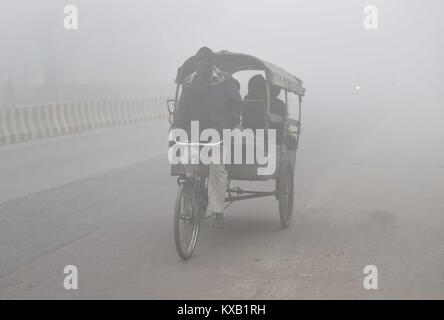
x: 199, y: 144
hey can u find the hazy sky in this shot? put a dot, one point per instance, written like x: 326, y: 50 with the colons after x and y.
x: 143, y: 42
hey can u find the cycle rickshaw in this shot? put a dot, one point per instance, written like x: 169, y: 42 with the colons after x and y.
x: 191, y: 201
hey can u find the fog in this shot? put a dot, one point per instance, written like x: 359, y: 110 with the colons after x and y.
x: 133, y: 48
x: 89, y: 185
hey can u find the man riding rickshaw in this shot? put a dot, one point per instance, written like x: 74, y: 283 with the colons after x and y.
x: 211, y: 111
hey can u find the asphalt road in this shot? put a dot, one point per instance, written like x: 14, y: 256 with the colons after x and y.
x: 369, y: 191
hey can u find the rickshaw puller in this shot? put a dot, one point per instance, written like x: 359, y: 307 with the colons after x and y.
x: 211, y: 97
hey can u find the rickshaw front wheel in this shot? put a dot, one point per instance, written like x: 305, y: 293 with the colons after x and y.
x: 187, y: 217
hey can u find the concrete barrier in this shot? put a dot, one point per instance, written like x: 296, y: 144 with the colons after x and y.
x: 23, y: 124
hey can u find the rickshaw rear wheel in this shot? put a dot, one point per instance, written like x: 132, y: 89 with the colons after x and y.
x: 286, y: 197
x: 187, y: 217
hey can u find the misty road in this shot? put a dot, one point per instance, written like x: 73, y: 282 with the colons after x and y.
x: 367, y: 192
x: 89, y: 90
x: 51, y: 163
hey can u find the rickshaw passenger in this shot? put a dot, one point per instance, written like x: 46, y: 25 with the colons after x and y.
x: 253, y: 113
x: 257, y: 87
x: 277, y: 105
x: 257, y: 90
x: 280, y: 108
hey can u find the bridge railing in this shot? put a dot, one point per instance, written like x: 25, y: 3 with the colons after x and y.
x: 28, y: 123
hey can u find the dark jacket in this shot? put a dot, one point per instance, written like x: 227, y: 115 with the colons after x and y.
x: 221, y: 109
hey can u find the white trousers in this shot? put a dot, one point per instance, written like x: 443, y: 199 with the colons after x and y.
x: 217, y: 187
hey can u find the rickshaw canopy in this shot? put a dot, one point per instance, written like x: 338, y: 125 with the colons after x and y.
x: 233, y: 62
